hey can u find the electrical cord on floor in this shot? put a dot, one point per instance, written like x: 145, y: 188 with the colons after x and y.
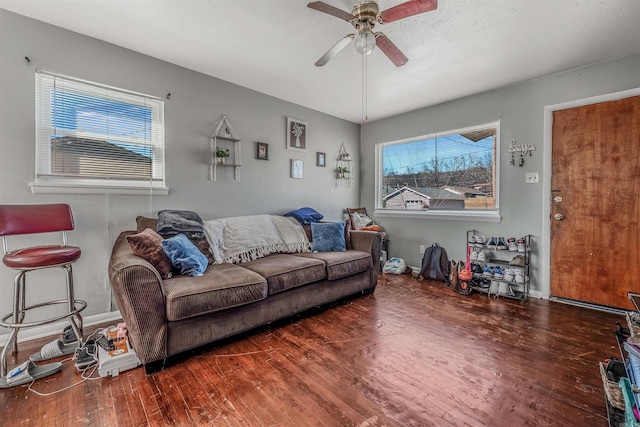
x: 86, y: 373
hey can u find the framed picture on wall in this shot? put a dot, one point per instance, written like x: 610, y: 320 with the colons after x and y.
x: 262, y: 151
x: 297, y: 131
x: 321, y: 159
x: 297, y: 168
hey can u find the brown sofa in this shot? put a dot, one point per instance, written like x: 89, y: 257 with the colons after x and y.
x: 168, y: 317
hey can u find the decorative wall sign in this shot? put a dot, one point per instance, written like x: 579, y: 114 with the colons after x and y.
x: 262, y: 151
x: 297, y: 131
x: 297, y: 168
x: 524, y: 148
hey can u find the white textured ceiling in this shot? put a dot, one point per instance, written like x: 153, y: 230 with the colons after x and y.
x: 461, y: 48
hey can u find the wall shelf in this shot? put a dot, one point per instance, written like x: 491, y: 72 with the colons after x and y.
x: 226, y: 141
x: 344, y: 166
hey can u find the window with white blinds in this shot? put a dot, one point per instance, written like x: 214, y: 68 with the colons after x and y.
x: 92, y: 135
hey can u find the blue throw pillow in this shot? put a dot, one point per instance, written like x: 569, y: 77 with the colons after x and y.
x: 184, y: 255
x: 305, y: 215
x: 328, y: 237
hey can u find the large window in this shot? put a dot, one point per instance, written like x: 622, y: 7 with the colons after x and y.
x: 94, y: 136
x: 446, y: 173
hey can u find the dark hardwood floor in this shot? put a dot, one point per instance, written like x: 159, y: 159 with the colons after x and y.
x: 412, y: 354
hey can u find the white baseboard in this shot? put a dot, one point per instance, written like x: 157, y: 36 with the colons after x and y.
x: 37, y: 332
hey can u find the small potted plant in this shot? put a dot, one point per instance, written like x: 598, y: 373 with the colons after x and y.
x: 343, y: 172
x: 221, y: 155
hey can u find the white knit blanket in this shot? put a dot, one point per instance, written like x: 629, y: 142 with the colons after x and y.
x: 245, y: 238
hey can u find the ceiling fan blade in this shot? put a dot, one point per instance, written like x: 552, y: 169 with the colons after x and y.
x: 334, y: 50
x: 391, y: 50
x: 406, y: 9
x: 327, y: 8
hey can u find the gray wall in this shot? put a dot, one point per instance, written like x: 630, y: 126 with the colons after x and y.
x: 520, y: 109
x: 196, y: 105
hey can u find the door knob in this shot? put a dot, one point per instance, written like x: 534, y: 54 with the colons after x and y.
x: 558, y: 217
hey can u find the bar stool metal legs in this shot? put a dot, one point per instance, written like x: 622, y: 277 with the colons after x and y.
x: 74, y: 307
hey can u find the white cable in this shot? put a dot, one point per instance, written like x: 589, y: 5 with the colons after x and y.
x: 83, y: 375
x: 84, y: 378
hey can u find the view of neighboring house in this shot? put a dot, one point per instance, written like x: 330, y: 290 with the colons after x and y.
x: 71, y: 156
x: 406, y: 198
x: 449, y: 198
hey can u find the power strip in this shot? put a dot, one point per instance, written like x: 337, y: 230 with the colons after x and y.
x: 120, y: 359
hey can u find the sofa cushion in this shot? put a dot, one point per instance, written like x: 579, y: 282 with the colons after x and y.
x: 284, y: 271
x: 148, y: 245
x: 222, y: 286
x: 341, y: 264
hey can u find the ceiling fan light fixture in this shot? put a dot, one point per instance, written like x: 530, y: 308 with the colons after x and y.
x: 365, y: 41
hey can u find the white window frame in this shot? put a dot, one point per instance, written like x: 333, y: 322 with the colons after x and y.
x: 484, y: 215
x: 45, y: 182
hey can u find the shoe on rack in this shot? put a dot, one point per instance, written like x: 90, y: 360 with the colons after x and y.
x: 477, y: 268
x: 521, y: 245
x: 472, y: 240
x: 482, y: 256
x: 493, y: 288
x: 498, y: 273
x: 509, y: 275
x: 511, y: 244
x: 474, y: 255
x: 480, y: 241
x: 484, y: 283
x: 501, y: 245
x: 505, y: 290
x: 517, y: 260
x: 487, y: 272
x: 493, y: 242
x: 519, y: 275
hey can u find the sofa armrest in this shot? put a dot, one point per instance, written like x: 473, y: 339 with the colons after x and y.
x: 371, y: 242
x: 137, y: 287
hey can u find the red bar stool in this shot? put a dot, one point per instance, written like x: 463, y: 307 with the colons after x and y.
x: 33, y: 219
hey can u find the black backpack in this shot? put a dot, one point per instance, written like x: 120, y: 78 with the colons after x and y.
x: 435, y: 264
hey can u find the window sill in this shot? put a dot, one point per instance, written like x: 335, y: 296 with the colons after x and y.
x: 67, y: 188
x: 475, y: 216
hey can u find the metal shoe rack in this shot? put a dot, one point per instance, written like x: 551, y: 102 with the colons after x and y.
x: 501, y: 258
x: 621, y: 395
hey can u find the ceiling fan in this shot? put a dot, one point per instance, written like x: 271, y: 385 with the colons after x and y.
x: 364, y: 17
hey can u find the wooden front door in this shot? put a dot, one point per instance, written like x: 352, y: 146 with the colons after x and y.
x: 595, y: 207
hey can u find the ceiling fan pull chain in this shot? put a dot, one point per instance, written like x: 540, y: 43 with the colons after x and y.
x: 364, y: 89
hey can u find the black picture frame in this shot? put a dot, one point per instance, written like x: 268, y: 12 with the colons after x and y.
x: 262, y: 151
x: 321, y: 159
